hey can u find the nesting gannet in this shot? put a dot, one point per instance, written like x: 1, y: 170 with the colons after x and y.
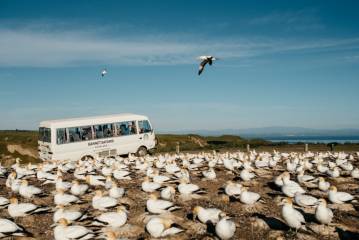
x: 322, y: 213
x: 305, y: 200
x: 339, y: 197
x: 185, y: 188
x: 95, y: 180
x: 158, y: 206
x: 355, y: 173
x: 249, y: 197
x: 168, y: 193
x: 65, y: 232
x: 207, y: 214
x: 28, y: 191
x: 210, y: 174
x: 149, y: 186
x: 233, y: 189
x: 115, y: 191
x: 161, y: 227
x: 4, y: 202
x: 323, y: 185
x: 225, y: 228
x: 102, y: 202
x: 291, y: 216
x: 69, y: 214
x: 113, y: 219
x: 204, y: 61
x: 60, y: 184
x: 246, y: 175
x: 78, y: 189
x: 9, y: 228
x: 290, y: 187
x: 62, y: 198
x: 16, y: 209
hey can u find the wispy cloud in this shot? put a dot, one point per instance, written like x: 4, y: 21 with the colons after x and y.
x: 45, y: 48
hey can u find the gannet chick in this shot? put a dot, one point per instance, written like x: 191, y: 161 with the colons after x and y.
x: 323, y: 214
x: 149, y: 186
x: 225, y: 228
x: 69, y: 214
x: 16, y: 209
x: 28, y: 191
x: 78, y: 189
x: 305, y: 200
x: 249, y: 197
x: 207, y: 214
x: 65, y: 232
x: 160, y: 227
x: 339, y: 197
x: 168, y: 193
x: 113, y: 219
x: 158, y: 206
x: 323, y: 185
x: 101, y: 202
x: 9, y: 228
x: 292, y: 217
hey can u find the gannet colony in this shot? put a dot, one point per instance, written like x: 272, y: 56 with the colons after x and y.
x: 232, y: 195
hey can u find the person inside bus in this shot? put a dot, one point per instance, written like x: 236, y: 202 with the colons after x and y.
x: 87, y: 133
x: 133, y: 128
x: 123, y: 129
x: 99, y: 132
x: 107, y: 131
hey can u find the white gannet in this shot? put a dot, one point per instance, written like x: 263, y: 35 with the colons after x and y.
x: 210, y: 174
x: 248, y: 197
x: 207, y: 214
x: 233, y: 189
x: 225, y: 228
x: 62, y: 198
x: 158, y: 206
x: 168, y: 193
x: 69, y: 214
x: 290, y: 187
x: 78, y: 189
x: 9, y: 228
x: 95, y: 180
x: 101, y: 202
x: 103, y: 72
x: 322, y: 213
x: 323, y: 185
x: 204, y: 61
x: 4, y: 202
x: 113, y: 219
x: 16, y: 209
x: 246, y: 175
x: 28, y: 191
x: 149, y: 186
x: 291, y: 216
x: 305, y: 200
x: 65, y: 232
x: 161, y: 227
x: 115, y: 191
x: 339, y: 197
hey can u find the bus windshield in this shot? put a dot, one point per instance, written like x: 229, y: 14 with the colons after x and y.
x: 45, y: 134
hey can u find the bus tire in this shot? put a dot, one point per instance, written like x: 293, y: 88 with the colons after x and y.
x: 142, y: 151
x: 87, y: 157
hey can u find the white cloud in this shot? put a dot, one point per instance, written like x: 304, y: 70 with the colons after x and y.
x: 35, y: 48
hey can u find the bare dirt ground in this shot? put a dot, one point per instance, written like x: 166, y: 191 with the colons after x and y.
x: 261, y: 221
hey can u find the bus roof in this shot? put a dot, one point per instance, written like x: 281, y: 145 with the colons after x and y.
x: 83, y: 121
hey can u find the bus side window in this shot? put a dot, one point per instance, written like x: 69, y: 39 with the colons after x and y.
x: 74, y: 134
x: 144, y: 126
x: 61, y: 135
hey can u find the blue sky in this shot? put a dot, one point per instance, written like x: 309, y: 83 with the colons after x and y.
x: 283, y: 63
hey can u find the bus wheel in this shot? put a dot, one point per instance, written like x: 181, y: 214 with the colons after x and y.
x: 142, y: 151
x: 87, y: 157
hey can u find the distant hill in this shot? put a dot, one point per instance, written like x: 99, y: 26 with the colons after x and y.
x: 268, y: 132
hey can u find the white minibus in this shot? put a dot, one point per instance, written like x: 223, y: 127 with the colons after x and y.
x: 93, y: 137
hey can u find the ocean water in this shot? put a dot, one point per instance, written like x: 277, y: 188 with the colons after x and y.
x: 314, y: 139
